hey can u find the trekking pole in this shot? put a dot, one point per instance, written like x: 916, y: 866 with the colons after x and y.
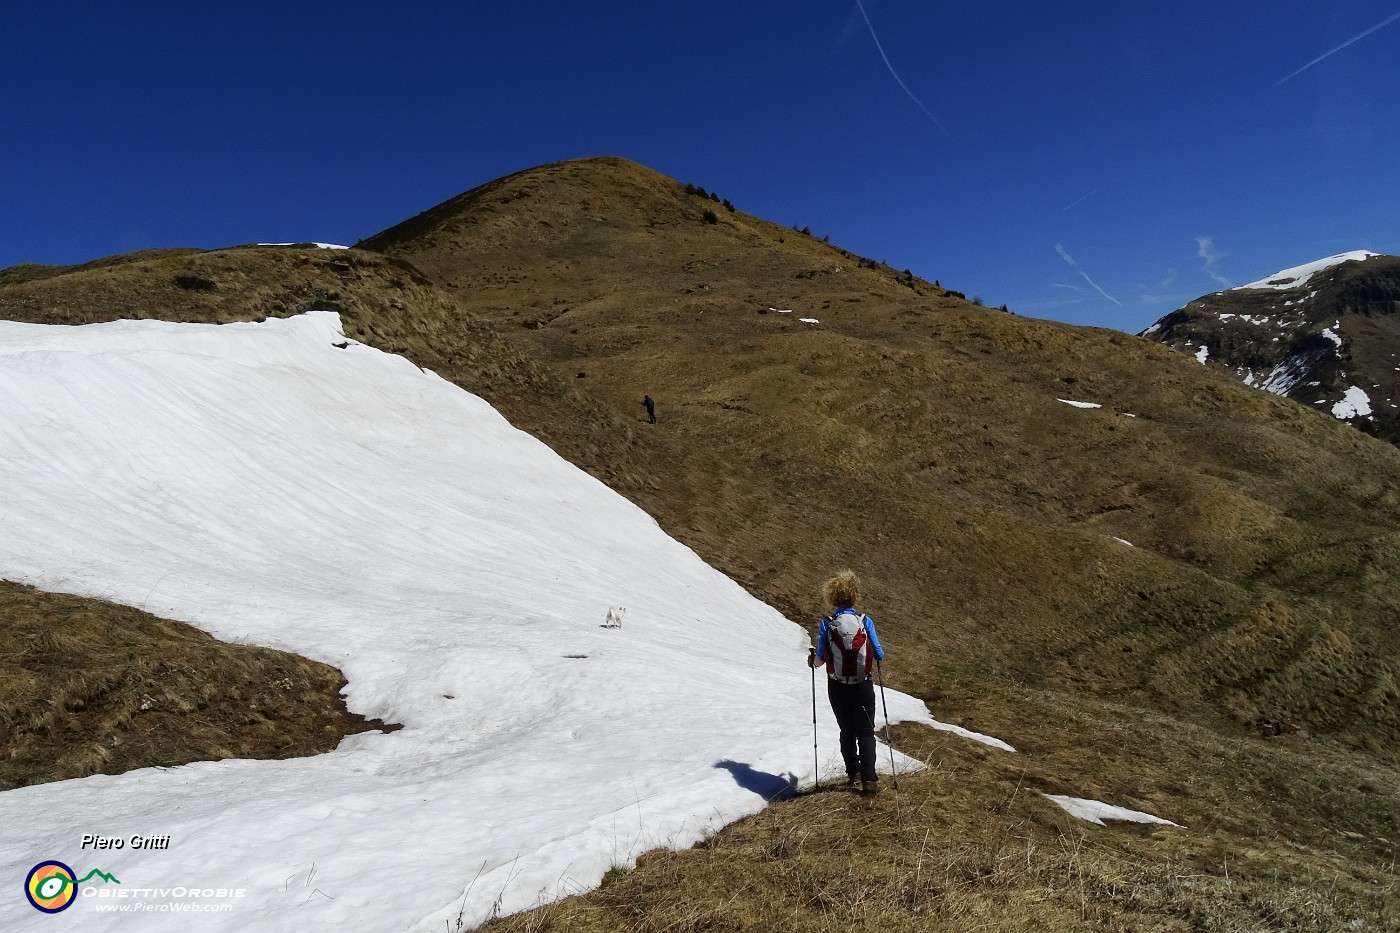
x: 816, y: 769
x: 888, y: 744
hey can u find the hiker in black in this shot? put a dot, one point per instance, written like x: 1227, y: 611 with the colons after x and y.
x: 651, y: 408
x: 854, y: 708
x: 848, y: 647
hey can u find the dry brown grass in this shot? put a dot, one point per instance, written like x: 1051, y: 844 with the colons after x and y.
x: 971, y: 843
x: 87, y: 687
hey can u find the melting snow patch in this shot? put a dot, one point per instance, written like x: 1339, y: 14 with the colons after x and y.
x: 1079, y: 404
x: 1298, y: 276
x: 974, y: 736
x: 1355, y: 404
x: 1151, y: 330
x: 1332, y: 335
x: 322, y: 245
x: 1096, y: 812
x: 809, y: 320
x: 781, y: 310
x: 1124, y: 541
x: 1202, y: 353
x: 1283, y: 377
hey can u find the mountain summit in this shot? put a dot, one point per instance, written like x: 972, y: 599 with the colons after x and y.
x: 576, y: 238
x: 1326, y: 333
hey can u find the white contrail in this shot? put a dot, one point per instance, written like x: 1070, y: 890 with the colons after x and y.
x: 936, y: 122
x: 1085, y: 198
x: 1340, y: 47
x: 1075, y: 266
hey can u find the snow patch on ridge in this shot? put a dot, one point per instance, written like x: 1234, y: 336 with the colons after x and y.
x: 1298, y: 276
x: 322, y: 245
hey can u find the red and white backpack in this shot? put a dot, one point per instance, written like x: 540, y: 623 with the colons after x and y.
x: 849, y: 654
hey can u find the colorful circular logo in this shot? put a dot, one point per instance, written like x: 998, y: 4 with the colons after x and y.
x: 51, y: 886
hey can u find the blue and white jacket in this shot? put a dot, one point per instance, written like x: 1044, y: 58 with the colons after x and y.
x: 824, y: 655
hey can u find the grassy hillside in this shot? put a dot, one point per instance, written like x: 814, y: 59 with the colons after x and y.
x: 1182, y: 601
x: 921, y: 439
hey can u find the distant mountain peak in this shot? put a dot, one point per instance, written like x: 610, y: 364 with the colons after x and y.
x: 1325, y: 333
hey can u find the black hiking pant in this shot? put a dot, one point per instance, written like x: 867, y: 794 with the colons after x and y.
x: 854, y: 708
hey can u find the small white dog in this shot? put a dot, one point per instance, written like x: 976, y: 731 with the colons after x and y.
x: 614, y: 617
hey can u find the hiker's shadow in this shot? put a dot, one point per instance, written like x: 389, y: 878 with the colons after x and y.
x: 770, y: 787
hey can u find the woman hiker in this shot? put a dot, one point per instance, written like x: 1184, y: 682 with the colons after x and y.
x: 847, y: 645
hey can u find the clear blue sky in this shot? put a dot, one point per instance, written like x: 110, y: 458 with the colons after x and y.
x: 1093, y: 162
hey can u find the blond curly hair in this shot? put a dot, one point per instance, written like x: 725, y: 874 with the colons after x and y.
x: 842, y: 590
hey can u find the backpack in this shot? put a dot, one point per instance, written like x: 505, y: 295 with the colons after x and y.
x: 849, y: 657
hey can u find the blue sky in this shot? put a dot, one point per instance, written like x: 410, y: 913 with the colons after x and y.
x: 1098, y: 163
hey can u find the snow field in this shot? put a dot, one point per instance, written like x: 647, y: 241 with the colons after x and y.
x: 270, y: 488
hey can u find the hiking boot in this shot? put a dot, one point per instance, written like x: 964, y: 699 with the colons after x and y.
x: 869, y: 788
x: 852, y: 782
